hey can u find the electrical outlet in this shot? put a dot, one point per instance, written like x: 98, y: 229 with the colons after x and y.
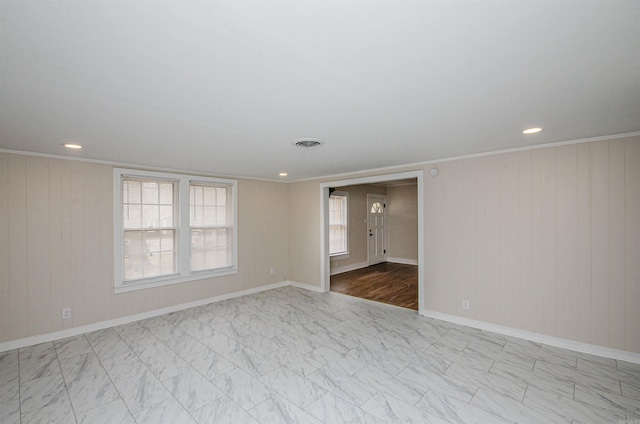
x: 272, y: 270
x: 66, y: 313
x: 465, y: 304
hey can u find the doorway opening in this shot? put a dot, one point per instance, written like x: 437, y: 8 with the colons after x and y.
x: 383, y: 260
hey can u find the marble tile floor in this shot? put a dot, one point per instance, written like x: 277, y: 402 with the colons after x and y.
x: 293, y: 356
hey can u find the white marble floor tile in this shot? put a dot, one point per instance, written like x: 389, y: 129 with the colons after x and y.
x: 509, y: 409
x: 9, y: 363
x: 223, y: 344
x: 391, y: 410
x: 260, y: 344
x: 570, y: 409
x: 496, y: 384
x: 293, y: 387
x: 164, y: 330
x: 166, y: 365
x: 332, y: 409
x: 91, y: 391
x: 339, y: 361
x: 232, y: 330
x: 462, y: 358
x: 115, y: 412
x: 342, y: 385
x: 584, y: 378
x: 185, y: 345
x: 297, y: 343
x: 10, y: 412
x: 278, y: 410
x: 433, y: 380
x: 242, y: 388
x: 252, y: 362
x: 390, y: 384
x: 332, y: 341
x: 209, y: 363
x: 295, y: 361
x: 38, y: 361
x: 421, y: 359
x: 379, y: 359
x: 166, y: 412
x: 9, y: 387
x: 632, y: 391
x: 223, y: 411
x: 156, y: 321
x: 192, y: 390
x: 607, y: 400
x: 59, y: 413
x: 413, y: 341
x: 40, y: 392
x: 125, y: 365
x: 142, y: 391
x: 80, y: 366
x: 531, y: 379
x: 73, y: 346
x: 455, y: 411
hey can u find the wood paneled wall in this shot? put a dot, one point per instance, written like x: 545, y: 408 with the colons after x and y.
x: 56, y: 247
x: 544, y: 240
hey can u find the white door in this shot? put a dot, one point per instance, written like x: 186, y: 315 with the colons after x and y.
x: 375, y: 227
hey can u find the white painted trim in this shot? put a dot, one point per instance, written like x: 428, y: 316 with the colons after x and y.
x: 537, y: 337
x: 309, y: 287
x: 403, y: 261
x: 475, y: 155
x: 76, y: 331
x: 350, y: 267
x: 324, y: 229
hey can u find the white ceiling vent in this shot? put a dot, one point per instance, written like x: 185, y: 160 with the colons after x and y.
x: 307, y: 142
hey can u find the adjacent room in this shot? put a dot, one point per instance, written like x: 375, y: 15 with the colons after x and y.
x: 319, y: 212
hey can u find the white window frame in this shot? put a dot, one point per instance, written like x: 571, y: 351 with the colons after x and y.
x: 344, y: 254
x: 183, y: 231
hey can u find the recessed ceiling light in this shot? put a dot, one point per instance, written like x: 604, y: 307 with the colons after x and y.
x: 72, y: 146
x: 283, y: 174
x: 531, y: 130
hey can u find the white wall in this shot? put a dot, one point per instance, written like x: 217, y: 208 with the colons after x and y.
x: 56, y: 247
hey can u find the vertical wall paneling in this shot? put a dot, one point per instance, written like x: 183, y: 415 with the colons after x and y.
x: 92, y: 242
x: 567, y: 241
x: 79, y: 316
x: 450, y: 196
x: 66, y: 222
x: 632, y: 243
x: 434, y: 275
x: 510, y: 288
x: 600, y: 243
x: 106, y: 236
x: 55, y: 244
x: 18, y: 276
x: 37, y: 211
x: 5, y: 293
x: 492, y: 175
x: 467, y: 230
x: 536, y: 240
x: 584, y: 242
x: 549, y: 242
x: 525, y: 237
x: 480, y: 300
x: 617, y: 257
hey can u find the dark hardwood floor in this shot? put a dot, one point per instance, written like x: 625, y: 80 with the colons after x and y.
x: 396, y: 284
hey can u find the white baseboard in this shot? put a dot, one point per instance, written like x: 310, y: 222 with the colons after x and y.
x: 347, y: 268
x: 403, y: 261
x: 606, y: 352
x: 76, y: 331
x: 317, y: 289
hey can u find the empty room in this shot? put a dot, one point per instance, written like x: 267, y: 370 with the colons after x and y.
x: 319, y: 212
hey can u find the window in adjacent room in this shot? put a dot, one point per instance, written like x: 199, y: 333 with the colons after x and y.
x: 172, y: 228
x: 338, y: 224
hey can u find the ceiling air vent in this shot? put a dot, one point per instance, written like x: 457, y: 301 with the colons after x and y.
x: 307, y: 142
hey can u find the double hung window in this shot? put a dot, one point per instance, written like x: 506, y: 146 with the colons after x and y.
x: 171, y: 228
x: 338, y: 224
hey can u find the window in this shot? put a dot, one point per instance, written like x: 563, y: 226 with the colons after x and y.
x: 172, y: 228
x: 338, y: 224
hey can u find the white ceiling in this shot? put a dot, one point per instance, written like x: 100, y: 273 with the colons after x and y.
x: 224, y: 87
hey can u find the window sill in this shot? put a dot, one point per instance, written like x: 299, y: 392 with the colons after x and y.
x: 123, y: 288
x: 339, y: 256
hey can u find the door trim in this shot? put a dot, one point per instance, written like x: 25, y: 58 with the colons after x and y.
x: 324, y: 227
